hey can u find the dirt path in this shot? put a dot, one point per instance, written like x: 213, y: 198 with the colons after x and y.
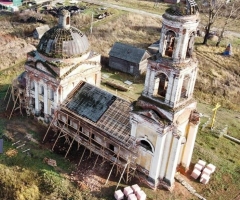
x: 132, y: 10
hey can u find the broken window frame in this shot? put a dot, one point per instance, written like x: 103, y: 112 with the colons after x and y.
x: 148, y: 146
x: 67, y: 20
x: 161, y: 85
x: 81, y: 129
x: 111, y: 147
x: 169, y: 43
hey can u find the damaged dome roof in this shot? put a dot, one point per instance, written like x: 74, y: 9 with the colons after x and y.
x: 63, y: 41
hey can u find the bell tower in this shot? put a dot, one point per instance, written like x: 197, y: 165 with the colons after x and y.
x: 165, y: 116
x: 171, y: 74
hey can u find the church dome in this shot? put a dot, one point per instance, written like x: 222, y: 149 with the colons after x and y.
x: 63, y: 41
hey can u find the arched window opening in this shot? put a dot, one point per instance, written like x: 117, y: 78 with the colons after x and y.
x: 169, y: 43
x: 145, y: 144
x: 67, y: 20
x: 162, y: 85
x: 185, y: 86
x: 190, y: 45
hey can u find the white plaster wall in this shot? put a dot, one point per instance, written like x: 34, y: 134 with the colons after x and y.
x: 183, y: 128
x: 173, y: 159
x: 144, y: 158
x: 145, y: 132
x: 180, y: 113
x: 148, y: 132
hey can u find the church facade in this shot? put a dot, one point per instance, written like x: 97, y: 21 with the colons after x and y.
x: 62, y: 59
x: 150, y: 137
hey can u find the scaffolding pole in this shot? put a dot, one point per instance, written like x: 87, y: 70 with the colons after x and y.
x: 14, y: 106
x: 121, y: 175
x: 82, y: 156
x: 48, y: 130
x: 8, y: 100
x: 69, y: 147
x: 7, y: 92
x: 95, y: 161
x: 56, y: 140
x: 127, y: 173
x: 110, y: 173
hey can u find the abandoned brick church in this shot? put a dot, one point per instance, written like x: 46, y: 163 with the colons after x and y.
x: 152, y: 136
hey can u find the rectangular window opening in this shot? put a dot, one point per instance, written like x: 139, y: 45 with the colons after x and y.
x: 111, y: 147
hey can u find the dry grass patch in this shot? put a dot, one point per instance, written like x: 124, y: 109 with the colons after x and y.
x: 137, y: 31
x: 219, y: 76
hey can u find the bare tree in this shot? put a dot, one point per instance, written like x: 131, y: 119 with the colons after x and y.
x: 212, y: 10
x: 232, y: 14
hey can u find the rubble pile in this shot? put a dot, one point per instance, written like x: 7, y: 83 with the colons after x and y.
x: 87, y: 178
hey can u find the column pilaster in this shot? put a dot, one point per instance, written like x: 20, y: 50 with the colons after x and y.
x: 45, y: 99
x: 134, y: 127
x: 36, y: 98
x: 173, y: 160
x: 151, y: 82
x: 147, y: 80
x: 165, y: 156
x: 189, y: 146
x: 157, y: 159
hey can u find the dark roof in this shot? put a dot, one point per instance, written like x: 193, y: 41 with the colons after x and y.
x: 90, y: 102
x: 127, y: 52
x: 109, y: 113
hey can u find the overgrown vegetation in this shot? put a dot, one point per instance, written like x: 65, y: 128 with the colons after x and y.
x: 24, y: 175
x: 18, y: 183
